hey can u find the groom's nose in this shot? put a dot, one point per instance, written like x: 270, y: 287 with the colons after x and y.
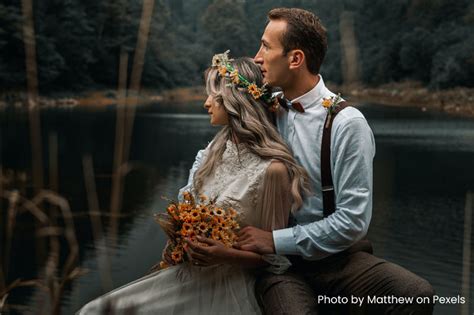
x: 258, y: 57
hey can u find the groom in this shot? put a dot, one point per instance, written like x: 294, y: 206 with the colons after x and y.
x: 329, y: 256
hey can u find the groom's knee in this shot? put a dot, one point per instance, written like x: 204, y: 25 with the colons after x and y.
x: 422, y: 290
x: 285, y: 294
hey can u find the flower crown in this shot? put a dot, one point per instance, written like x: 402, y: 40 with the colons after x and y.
x: 226, y: 70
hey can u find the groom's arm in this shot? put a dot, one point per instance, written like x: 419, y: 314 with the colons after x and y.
x: 352, y: 157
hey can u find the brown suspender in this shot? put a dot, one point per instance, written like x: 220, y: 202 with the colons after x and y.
x: 329, y: 201
x: 329, y: 205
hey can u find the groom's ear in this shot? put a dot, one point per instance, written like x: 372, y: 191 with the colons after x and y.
x: 296, y: 58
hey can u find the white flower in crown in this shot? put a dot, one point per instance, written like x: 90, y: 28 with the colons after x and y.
x: 220, y: 60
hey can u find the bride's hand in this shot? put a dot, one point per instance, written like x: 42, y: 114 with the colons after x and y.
x: 214, y: 253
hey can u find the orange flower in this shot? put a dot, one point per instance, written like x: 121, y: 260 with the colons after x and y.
x: 171, y: 209
x: 203, y: 227
x: 185, y: 217
x: 183, y: 207
x: 186, y: 229
x: 191, y: 219
x: 177, y: 256
x: 222, y: 70
x: 205, y: 211
x: 223, y: 225
x: 254, y: 90
x: 327, y: 102
x: 195, y: 214
x: 192, y: 236
x: 163, y: 265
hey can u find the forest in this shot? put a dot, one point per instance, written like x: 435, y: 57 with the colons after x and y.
x: 78, y: 42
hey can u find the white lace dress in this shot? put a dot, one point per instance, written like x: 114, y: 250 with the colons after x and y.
x: 258, y: 189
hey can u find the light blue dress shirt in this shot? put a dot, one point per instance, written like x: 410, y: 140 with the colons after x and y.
x: 352, y: 152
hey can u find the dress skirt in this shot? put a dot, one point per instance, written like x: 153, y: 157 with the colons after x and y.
x: 183, y: 289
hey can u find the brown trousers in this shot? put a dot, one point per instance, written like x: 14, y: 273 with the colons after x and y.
x: 308, y: 286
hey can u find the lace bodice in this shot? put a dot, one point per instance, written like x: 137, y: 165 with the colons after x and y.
x: 237, y: 181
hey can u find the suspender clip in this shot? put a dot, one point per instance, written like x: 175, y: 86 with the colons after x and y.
x: 328, y: 188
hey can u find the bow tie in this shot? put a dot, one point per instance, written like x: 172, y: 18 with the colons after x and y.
x: 286, y: 104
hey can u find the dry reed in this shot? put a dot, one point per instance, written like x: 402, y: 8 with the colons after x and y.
x: 126, y: 114
x: 99, y: 239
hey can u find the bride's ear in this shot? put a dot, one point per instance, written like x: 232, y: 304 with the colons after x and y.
x: 296, y: 58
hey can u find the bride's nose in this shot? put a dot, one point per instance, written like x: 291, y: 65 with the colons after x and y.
x: 207, y: 103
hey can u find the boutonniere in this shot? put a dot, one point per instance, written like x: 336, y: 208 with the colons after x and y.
x: 331, y: 104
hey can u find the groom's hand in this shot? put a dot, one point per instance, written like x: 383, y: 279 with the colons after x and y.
x: 255, y: 240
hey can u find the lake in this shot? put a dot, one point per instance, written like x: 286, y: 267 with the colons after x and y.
x: 423, y: 172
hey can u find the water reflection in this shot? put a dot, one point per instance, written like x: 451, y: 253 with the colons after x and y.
x: 423, y: 169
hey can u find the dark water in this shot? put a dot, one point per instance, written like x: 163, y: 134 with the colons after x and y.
x: 422, y: 173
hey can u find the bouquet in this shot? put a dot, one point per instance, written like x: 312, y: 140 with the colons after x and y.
x: 188, y: 219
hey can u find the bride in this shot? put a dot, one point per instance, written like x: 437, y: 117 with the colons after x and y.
x: 247, y: 167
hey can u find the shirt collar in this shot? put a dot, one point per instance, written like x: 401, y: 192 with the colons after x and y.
x: 314, y: 95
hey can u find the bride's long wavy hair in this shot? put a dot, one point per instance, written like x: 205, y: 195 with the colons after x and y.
x: 250, y: 124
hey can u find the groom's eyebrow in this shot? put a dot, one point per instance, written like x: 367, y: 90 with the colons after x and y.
x: 264, y: 42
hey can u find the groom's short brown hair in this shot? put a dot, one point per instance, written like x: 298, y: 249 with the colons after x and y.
x: 304, y: 31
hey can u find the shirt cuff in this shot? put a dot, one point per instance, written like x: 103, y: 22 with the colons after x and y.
x: 285, y: 243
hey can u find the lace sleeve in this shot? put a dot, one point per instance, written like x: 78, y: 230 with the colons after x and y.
x: 274, y: 208
x: 200, y: 156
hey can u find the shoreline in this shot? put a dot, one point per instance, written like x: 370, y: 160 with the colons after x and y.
x: 457, y: 101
